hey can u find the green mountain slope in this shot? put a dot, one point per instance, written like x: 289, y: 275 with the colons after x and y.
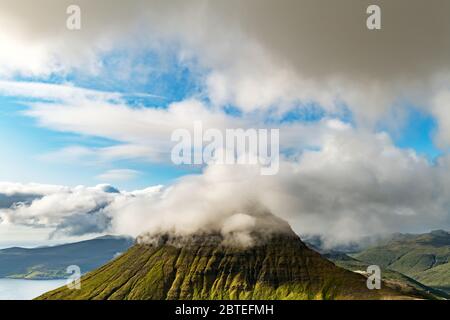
x: 423, y: 257
x: 279, y: 267
x: 437, y: 277
x: 52, y: 262
x: 392, y: 279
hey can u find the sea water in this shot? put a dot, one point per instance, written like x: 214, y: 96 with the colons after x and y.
x: 12, y: 289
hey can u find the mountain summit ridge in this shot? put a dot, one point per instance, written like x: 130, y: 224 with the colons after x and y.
x: 204, y: 267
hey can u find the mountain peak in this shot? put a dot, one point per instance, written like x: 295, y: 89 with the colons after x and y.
x: 235, y: 230
x: 278, y: 265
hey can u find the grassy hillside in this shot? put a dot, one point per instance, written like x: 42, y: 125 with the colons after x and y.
x: 52, y: 262
x: 280, y: 268
x: 423, y: 257
x: 391, y: 279
x: 437, y: 277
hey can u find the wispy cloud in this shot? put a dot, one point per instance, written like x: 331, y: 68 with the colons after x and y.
x: 54, y: 92
x: 118, y: 175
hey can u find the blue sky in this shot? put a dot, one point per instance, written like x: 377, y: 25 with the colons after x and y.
x: 26, y: 142
x: 418, y: 133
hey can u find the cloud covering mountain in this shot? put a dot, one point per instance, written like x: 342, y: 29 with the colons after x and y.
x: 356, y: 185
x: 341, y: 175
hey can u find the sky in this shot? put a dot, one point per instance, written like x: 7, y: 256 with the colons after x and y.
x: 86, y: 116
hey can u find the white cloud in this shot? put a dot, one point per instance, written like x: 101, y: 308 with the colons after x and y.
x: 9, y: 188
x: 310, y: 50
x: 118, y: 175
x: 58, y: 92
x: 441, y: 109
x: 74, y: 211
x: 145, y: 133
x: 121, y: 122
x: 103, y: 155
x: 17, y: 55
x: 357, y: 184
x: 140, y: 133
x: 301, y: 58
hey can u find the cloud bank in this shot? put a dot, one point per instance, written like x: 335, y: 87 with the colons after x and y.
x: 357, y: 185
x: 265, y: 58
x: 260, y: 54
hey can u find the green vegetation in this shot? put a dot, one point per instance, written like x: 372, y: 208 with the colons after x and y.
x: 392, y: 279
x: 437, y: 277
x: 423, y: 257
x: 280, y: 268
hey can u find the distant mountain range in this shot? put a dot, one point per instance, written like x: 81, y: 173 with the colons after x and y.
x: 283, y: 268
x: 279, y: 266
x: 423, y: 257
x: 416, y: 262
x: 46, y: 263
x: 391, y: 279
